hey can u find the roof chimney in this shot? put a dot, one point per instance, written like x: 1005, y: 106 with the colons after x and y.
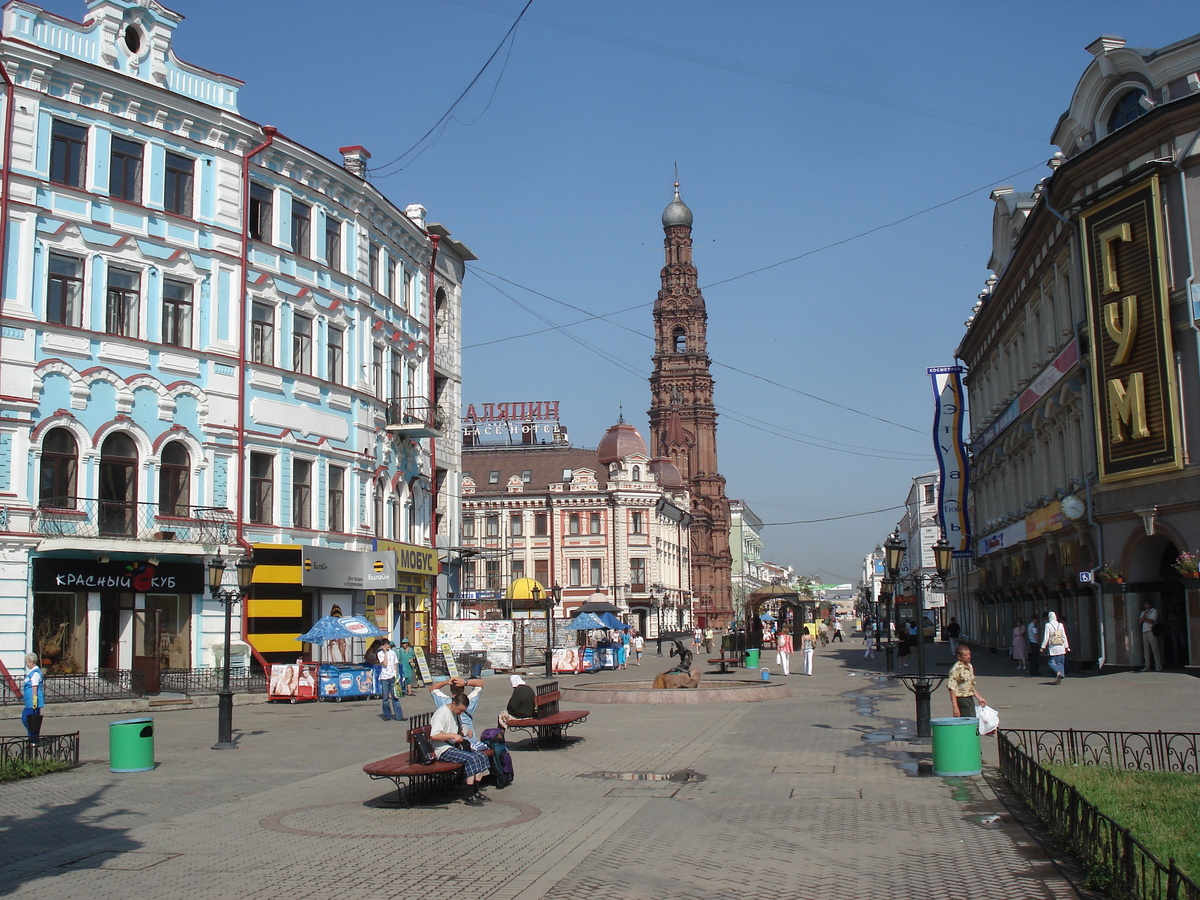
x: 354, y: 159
x: 416, y: 212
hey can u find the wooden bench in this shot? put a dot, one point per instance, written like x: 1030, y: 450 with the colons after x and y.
x: 414, y: 781
x: 548, y: 726
x: 725, y: 663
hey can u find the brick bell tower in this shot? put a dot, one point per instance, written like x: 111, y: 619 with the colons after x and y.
x: 683, y: 419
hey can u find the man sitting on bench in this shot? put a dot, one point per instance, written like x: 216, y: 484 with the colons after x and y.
x: 445, y: 730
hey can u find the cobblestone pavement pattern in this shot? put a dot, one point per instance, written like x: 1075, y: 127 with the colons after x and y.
x: 816, y: 796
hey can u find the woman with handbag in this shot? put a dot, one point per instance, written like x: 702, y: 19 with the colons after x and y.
x: 1054, y: 638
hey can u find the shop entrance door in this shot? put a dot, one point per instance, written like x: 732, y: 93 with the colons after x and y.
x: 146, y: 633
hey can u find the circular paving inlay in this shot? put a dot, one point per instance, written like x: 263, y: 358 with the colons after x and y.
x: 358, y: 821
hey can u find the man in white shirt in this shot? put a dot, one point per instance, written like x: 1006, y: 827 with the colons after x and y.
x: 471, y: 688
x: 1033, y: 635
x: 1151, y: 647
x: 390, y: 663
x: 446, y: 733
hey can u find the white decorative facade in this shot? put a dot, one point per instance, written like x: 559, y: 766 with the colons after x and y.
x: 215, y: 341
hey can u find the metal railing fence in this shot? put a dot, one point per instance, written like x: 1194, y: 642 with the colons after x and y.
x: 1121, y: 861
x: 63, y: 747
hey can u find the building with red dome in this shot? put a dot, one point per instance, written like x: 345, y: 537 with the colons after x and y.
x: 613, y: 520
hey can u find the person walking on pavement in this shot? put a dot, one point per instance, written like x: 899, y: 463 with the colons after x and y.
x: 407, y: 656
x: 1032, y: 632
x: 387, y: 683
x: 1054, y: 637
x: 870, y: 632
x: 1151, y: 646
x: 953, y: 631
x: 34, y: 691
x: 1020, y: 644
x: 808, y: 644
x: 783, y: 650
x: 708, y: 639
x: 837, y: 629
x: 961, y: 682
x: 904, y: 643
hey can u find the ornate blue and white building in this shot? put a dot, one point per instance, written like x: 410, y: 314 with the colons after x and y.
x: 215, y: 341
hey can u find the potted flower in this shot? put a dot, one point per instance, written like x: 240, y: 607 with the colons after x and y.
x: 1188, y: 564
x: 1109, y: 574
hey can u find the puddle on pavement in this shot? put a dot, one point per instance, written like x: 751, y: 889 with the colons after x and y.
x: 683, y: 776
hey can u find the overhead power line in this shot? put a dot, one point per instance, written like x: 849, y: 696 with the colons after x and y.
x: 378, y: 171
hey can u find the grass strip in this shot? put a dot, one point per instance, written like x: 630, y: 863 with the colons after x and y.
x: 15, y: 769
x: 1160, y: 808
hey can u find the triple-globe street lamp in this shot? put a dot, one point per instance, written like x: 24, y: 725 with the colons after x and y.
x: 921, y: 685
x: 227, y: 597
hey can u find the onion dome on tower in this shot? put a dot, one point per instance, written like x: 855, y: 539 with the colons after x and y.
x: 620, y: 441
x: 677, y: 212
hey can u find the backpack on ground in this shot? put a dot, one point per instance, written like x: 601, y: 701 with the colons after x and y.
x: 501, y: 761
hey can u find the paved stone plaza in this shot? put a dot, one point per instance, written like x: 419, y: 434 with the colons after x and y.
x: 814, y: 796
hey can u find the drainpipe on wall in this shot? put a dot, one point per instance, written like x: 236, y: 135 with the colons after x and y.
x: 10, y: 91
x: 240, y: 538
x: 433, y: 486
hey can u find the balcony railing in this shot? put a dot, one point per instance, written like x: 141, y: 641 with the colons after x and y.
x: 84, y: 517
x: 415, y: 417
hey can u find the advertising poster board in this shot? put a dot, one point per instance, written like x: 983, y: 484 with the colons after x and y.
x: 493, y: 637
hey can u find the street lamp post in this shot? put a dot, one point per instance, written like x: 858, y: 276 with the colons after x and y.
x: 552, y: 599
x: 657, y: 603
x: 889, y: 646
x: 921, y: 686
x: 227, y: 597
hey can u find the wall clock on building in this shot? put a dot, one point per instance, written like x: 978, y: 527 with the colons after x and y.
x: 1073, y: 507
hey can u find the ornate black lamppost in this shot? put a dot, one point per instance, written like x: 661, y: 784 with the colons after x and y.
x: 921, y: 685
x: 553, y: 596
x: 228, y: 597
x: 886, y: 589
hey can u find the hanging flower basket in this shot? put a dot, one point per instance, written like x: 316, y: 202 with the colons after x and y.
x: 1188, y: 564
x: 1110, y: 574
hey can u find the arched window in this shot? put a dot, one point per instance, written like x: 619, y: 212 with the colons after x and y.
x: 118, y: 485
x: 637, y: 473
x: 440, y: 313
x: 679, y: 336
x: 60, y: 463
x: 174, y: 480
x: 1128, y: 108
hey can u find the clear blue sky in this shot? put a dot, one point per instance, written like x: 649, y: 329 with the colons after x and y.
x: 795, y: 127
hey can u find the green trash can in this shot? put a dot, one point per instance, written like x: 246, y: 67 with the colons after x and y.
x: 956, y: 746
x: 751, y: 659
x: 131, y: 745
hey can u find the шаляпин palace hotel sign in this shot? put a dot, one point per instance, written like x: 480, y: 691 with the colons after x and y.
x: 1137, y: 420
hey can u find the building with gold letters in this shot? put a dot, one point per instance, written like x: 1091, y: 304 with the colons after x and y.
x: 1083, y: 356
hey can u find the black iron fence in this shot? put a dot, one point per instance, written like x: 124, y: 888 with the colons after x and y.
x: 62, y: 747
x: 1151, y: 751
x: 1129, y: 869
x: 242, y: 680
x: 86, y: 517
x: 103, y: 684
